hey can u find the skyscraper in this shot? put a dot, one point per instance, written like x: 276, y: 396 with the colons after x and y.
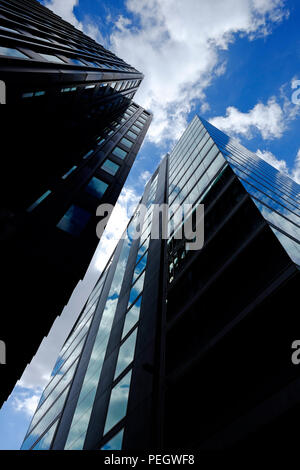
x: 178, y: 348
x: 70, y: 132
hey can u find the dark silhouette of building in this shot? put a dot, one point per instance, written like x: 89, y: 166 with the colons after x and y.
x: 188, y: 349
x: 70, y: 133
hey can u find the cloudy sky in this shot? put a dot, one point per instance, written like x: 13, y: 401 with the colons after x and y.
x: 234, y: 62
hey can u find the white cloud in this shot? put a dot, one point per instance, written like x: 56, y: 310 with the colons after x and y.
x: 272, y: 160
x: 268, y: 119
x: 25, y: 402
x: 176, y: 47
x: 116, y: 225
x: 281, y: 165
x: 145, y: 176
x: 65, y: 9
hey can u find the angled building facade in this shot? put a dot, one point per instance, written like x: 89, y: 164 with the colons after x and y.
x: 71, y: 133
x: 172, y: 350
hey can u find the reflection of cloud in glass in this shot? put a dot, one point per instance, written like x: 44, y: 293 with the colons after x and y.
x: 118, y: 402
x: 86, y: 398
x: 126, y: 353
x: 115, y: 443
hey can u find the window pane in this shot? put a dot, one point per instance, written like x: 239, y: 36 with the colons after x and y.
x: 132, y: 134
x: 135, y: 128
x: 52, y: 58
x: 115, y: 443
x: 126, y: 142
x: 119, y: 152
x: 118, y: 402
x: 132, y: 317
x: 69, y: 172
x: 74, y: 220
x: 38, y: 201
x: 12, y: 52
x: 96, y: 187
x: 137, y: 288
x: 110, y: 167
x: 46, y: 440
x: 126, y: 353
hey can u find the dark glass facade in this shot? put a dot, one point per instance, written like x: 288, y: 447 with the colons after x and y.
x: 172, y: 350
x: 70, y: 133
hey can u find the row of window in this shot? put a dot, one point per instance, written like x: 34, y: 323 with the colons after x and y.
x: 64, y: 368
x: 115, y: 86
x: 81, y: 44
x: 14, y: 52
x: 85, y: 401
x: 120, y: 392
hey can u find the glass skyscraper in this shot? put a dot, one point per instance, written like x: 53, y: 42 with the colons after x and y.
x: 71, y: 133
x: 172, y: 349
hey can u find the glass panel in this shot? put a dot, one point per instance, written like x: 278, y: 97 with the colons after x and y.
x: 45, y: 442
x: 74, y: 220
x: 115, y: 442
x: 132, y: 316
x: 52, y: 58
x: 136, y: 129
x: 96, y: 187
x: 12, y: 52
x: 38, y: 201
x: 139, y: 267
x: 110, y: 167
x: 136, y: 288
x: 88, y: 390
x: 87, y: 154
x: 126, y: 142
x: 132, y: 135
x: 69, y: 172
x: 45, y: 421
x: 126, y: 353
x: 76, y: 62
x: 53, y: 396
x: 119, y: 152
x: 118, y: 402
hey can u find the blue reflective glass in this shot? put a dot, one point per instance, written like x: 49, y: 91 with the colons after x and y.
x: 118, y: 402
x: 119, y: 152
x: 96, y: 187
x: 52, y: 58
x: 126, y: 353
x: 8, y: 51
x: 110, y: 167
x: 38, y: 201
x: 132, y: 316
x: 45, y: 442
x: 115, y: 443
x: 74, y: 220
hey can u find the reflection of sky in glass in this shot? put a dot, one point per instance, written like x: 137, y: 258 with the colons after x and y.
x: 53, y: 396
x: 132, y: 317
x: 51, y: 414
x: 136, y: 288
x: 115, y: 443
x: 118, y: 402
x: 126, y: 353
x: 274, y: 193
x: 86, y: 398
x: 46, y: 440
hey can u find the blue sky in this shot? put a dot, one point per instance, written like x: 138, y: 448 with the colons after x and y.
x: 230, y: 61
